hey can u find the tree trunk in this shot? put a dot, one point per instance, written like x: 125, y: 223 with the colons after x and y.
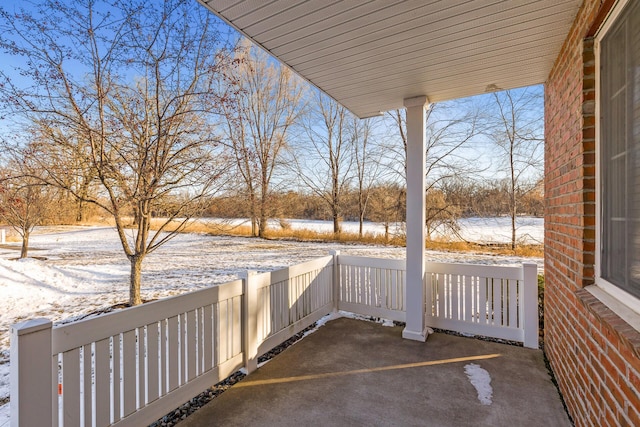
x: 361, y: 209
x: 513, y: 228
x: 262, y: 224
x: 336, y: 223
x: 134, y: 285
x: 253, y: 214
x: 25, y: 244
x: 262, y: 227
x: 79, y: 211
x: 512, y: 201
x: 335, y: 209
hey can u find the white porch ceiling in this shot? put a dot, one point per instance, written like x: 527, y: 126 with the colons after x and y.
x: 370, y: 55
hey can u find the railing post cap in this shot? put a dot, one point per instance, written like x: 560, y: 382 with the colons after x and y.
x: 334, y: 252
x: 31, y: 326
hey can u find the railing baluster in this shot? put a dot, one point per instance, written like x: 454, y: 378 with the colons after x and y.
x: 87, y: 391
x: 191, y: 345
x: 116, y: 358
x: 102, y: 382
x: 208, y: 339
x: 153, y: 362
x: 172, y: 352
x: 142, y: 368
x: 129, y: 371
x: 71, y: 387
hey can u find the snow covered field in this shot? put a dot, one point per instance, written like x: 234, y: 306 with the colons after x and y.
x: 530, y: 230
x: 82, y: 269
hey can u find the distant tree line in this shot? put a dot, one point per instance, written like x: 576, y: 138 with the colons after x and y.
x: 445, y: 206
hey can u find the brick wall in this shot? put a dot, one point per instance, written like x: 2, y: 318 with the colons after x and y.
x: 594, y: 354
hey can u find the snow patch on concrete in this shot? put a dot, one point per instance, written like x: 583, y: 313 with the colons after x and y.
x: 481, y: 380
x: 388, y: 323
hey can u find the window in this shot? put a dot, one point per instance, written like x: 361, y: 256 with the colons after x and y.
x: 619, y: 151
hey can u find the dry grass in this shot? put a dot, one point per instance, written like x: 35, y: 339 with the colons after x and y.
x: 13, y: 238
x: 287, y: 233
x: 96, y: 221
x: 529, y: 251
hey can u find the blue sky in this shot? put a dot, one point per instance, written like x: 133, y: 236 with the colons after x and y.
x: 476, y: 151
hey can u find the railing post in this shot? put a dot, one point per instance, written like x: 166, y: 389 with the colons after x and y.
x: 336, y: 280
x: 250, y: 322
x: 31, y: 374
x: 530, y: 304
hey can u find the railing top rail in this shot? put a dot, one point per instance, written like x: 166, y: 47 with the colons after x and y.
x: 298, y: 269
x: 360, y: 261
x: 502, y: 272
x: 76, y: 334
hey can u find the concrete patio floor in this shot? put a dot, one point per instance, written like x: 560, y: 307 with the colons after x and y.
x: 357, y: 373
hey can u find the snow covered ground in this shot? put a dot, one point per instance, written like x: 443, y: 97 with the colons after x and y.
x: 77, y: 270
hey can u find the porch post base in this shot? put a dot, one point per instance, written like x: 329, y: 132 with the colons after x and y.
x: 415, y: 336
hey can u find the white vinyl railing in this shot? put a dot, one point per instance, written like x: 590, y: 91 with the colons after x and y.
x: 287, y: 301
x: 499, y: 302
x: 133, y: 366
x: 127, y: 367
x: 372, y: 287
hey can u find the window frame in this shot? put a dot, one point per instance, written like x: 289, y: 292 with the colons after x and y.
x: 622, y: 299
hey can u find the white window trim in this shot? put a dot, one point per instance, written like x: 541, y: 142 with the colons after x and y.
x: 624, y: 304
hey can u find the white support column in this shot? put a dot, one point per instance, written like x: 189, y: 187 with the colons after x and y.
x: 416, y: 141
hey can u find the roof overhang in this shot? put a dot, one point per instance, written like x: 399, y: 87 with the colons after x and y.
x: 370, y: 55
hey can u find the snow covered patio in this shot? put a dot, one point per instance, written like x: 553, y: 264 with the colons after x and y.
x: 358, y: 373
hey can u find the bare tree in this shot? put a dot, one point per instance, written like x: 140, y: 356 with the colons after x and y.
x: 268, y: 104
x: 450, y: 127
x: 388, y: 205
x: 325, y: 160
x: 24, y: 201
x: 66, y: 160
x: 133, y: 82
x: 516, y: 130
x: 367, y: 162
